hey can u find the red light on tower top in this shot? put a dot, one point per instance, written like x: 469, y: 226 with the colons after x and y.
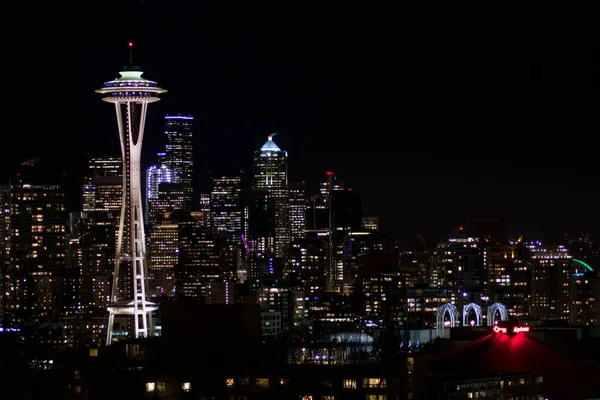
x: 130, y: 53
x: 330, y: 173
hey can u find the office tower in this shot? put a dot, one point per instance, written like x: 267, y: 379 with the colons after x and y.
x: 380, y: 282
x: 198, y: 261
x: 305, y: 265
x: 297, y: 204
x: 91, y: 257
x: 103, y: 186
x: 163, y: 256
x: 155, y: 175
x: 508, y: 271
x: 227, y: 205
x: 131, y: 94
x: 584, y: 288
x: 169, y: 197
x: 35, y: 228
x: 269, y: 187
x: 552, y: 269
x: 179, y: 153
x: 459, y: 263
x: 333, y: 214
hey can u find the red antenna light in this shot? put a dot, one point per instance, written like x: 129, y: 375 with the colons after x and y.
x: 130, y: 53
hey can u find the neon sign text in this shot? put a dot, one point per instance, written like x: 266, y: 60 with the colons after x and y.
x: 516, y: 329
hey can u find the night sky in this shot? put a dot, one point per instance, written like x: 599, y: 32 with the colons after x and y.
x: 432, y: 119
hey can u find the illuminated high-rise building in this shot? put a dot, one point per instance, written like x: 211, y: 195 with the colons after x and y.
x: 297, y: 205
x: 158, y: 181
x: 227, y: 205
x: 334, y: 214
x: 552, y: 269
x: 163, y: 254
x: 179, y: 152
x: 35, y: 238
x: 155, y: 175
x: 103, y: 186
x: 459, y: 262
x: 131, y: 94
x: 269, y: 197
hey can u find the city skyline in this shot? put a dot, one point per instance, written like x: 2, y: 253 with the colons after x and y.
x: 342, y: 97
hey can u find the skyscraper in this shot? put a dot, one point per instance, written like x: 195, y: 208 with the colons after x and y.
x: 269, y: 187
x: 35, y: 225
x: 297, y: 205
x: 155, y: 175
x: 180, y: 152
x: 131, y: 94
x: 227, y: 205
x: 103, y: 187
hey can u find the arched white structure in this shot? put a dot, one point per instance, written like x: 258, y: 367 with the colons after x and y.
x: 441, y: 312
x: 478, y: 314
x: 491, y: 313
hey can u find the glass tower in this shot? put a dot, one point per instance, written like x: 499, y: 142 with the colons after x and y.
x: 270, y: 182
x: 180, y: 152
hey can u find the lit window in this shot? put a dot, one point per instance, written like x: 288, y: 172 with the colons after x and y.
x: 150, y: 386
x: 229, y: 382
x: 186, y: 386
x: 262, y: 382
x: 284, y: 382
x: 349, y: 383
x: 374, y: 382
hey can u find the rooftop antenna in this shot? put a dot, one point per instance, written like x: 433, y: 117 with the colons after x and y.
x: 130, y: 53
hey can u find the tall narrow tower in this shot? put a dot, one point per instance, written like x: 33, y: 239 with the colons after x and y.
x: 131, y: 95
x: 269, y: 187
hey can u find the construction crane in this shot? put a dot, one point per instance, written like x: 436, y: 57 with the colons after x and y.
x: 424, y: 245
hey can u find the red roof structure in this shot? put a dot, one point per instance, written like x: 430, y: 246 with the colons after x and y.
x: 501, y: 353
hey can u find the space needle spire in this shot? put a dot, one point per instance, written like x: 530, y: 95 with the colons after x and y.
x: 131, y: 94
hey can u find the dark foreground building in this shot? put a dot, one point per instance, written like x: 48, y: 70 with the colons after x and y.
x: 216, y: 352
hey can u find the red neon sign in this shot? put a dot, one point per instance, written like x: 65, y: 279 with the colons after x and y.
x: 516, y: 329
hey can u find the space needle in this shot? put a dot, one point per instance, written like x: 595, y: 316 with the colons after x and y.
x: 131, y: 94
